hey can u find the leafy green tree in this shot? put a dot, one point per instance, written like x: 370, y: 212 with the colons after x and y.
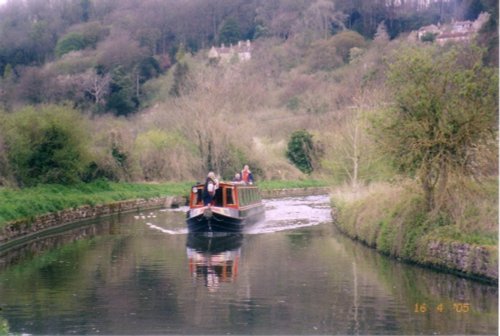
x: 345, y: 41
x: 446, y: 103
x: 148, y: 68
x: 229, y: 32
x: 300, y: 151
x: 46, y: 145
x: 70, y: 42
x: 122, y: 100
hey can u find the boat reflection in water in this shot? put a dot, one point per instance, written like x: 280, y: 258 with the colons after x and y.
x: 213, y: 258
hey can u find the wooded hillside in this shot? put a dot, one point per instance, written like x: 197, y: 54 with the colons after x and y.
x: 125, y: 90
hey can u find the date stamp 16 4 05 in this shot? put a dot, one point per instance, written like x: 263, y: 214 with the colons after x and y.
x: 460, y: 307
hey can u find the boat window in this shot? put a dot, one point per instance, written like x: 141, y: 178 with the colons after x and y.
x: 247, y: 196
x: 199, y: 198
x: 229, y: 196
x: 218, y: 197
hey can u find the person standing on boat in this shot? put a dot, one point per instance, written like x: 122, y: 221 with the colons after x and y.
x: 246, y: 175
x: 237, y: 178
x: 211, y: 185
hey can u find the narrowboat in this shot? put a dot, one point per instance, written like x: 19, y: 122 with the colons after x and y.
x: 233, y: 206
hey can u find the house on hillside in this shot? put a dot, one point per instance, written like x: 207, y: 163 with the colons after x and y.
x: 457, y: 31
x: 239, y: 52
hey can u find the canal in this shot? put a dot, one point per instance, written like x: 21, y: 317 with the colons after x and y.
x: 142, y: 273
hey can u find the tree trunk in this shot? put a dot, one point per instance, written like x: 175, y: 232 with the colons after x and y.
x: 428, y: 184
x: 443, y: 182
x: 429, y: 195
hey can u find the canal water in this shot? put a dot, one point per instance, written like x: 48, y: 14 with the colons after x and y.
x: 142, y: 273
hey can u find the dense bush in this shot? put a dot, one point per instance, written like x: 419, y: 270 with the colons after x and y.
x: 70, y: 42
x: 446, y: 105
x: 344, y: 41
x: 164, y: 155
x: 323, y: 57
x: 46, y: 145
x: 301, y: 150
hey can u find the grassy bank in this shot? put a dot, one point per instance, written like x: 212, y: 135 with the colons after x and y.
x: 30, y: 202
x: 278, y: 184
x: 391, y: 219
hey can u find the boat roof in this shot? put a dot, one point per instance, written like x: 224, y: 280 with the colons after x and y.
x: 230, y: 183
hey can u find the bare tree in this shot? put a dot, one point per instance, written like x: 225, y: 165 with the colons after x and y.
x: 119, y: 49
x: 96, y: 85
x: 321, y: 16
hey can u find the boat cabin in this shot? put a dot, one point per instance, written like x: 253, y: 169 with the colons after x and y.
x: 228, y: 195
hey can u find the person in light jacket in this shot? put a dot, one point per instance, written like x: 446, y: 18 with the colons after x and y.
x: 211, y: 185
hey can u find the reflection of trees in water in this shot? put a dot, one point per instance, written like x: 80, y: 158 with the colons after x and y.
x: 4, y: 326
x: 299, y: 239
x: 94, y: 275
x: 416, y: 285
x: 292, y: 281
x: 38, y: 246
x: 343, y: 286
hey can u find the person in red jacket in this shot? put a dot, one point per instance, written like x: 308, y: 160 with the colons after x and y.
x: 246, y: 175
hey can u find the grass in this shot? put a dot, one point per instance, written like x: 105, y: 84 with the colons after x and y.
x: 29, y: 202
x: 279, y: 184
x: 392, y: 217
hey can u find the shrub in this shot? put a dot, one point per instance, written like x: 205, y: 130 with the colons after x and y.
x: 344, y: 41
x: 70, y: 42
x: 301, y: 151
x: 323, y: 56
x: 445, y: 107
x: 164, y: 155
x: 46, y: 145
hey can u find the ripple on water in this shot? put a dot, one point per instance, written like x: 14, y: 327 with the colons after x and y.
x: 168, y: 231
x: 281, y: 214
x: 293, y: 213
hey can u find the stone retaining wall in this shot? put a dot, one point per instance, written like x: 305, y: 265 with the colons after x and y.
x: 473, y: 260
x: 25, y: 227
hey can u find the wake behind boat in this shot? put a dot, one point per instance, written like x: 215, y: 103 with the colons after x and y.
x: 234, y: 205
